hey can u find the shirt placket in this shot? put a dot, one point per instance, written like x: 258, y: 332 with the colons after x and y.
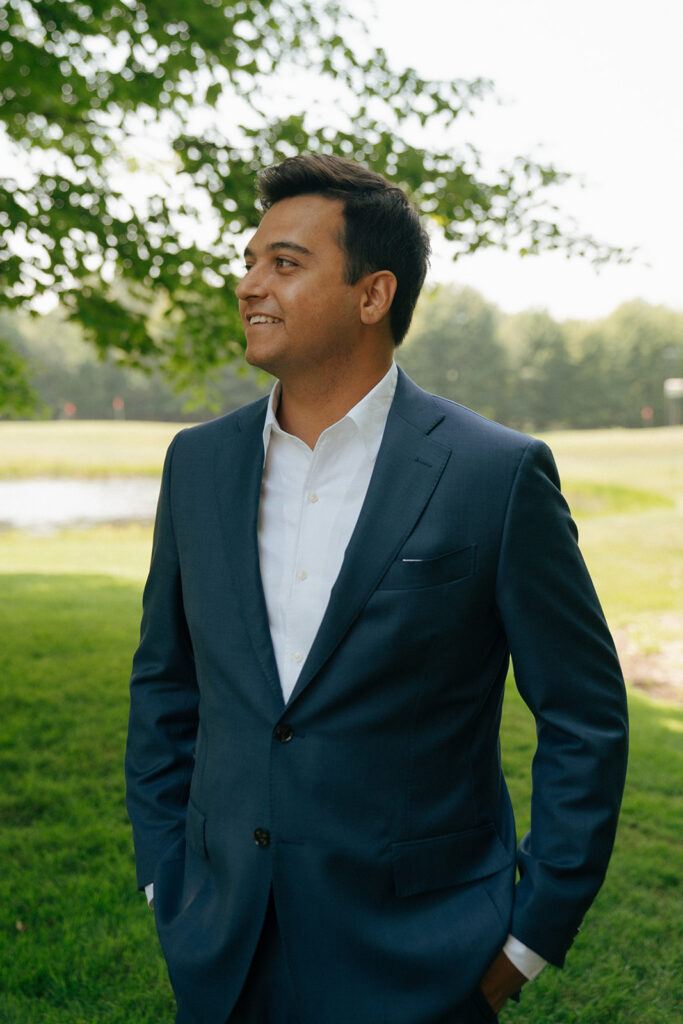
x: 301, y: 614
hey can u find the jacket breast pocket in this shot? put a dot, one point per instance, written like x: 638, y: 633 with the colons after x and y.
x: 414, y: 573
x: 455, y: 859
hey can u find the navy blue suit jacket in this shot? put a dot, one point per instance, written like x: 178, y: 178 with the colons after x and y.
x: 379, y: 815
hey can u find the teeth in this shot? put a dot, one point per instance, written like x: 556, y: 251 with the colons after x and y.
x: 259, y: 318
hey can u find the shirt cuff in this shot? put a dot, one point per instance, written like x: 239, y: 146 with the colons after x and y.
x: 524, y: 959
x: 149, y: 893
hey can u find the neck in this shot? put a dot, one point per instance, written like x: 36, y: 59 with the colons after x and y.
x: 308, y: 408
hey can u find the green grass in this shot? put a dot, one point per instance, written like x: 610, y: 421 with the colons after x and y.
x: 83, y: 448
x: 625, y: 966
x: 112, y: 550
x: 108, y: 448
x: 88, y: 952
x: 77, y: 944
x: 625, y: 488
x: 647, y: 459
x: 591, y: 499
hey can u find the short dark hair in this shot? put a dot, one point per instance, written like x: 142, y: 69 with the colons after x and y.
x: 382, y: 228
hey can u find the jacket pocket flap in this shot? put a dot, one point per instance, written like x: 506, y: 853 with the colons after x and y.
x: 195, y: 829
x: 454, y: 859
x: 414, y: 573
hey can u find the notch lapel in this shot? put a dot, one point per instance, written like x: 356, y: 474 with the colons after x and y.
x: 408, y: 467
x: 238, y: 470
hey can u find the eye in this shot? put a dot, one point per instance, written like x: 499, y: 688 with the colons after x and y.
x: 283, y: 263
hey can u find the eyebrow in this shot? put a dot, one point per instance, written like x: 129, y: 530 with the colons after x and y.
x: 276, y: 246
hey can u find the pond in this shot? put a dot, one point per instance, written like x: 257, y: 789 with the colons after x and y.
x: 45, y: 504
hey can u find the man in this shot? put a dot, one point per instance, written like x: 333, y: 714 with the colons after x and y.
x: 339, y: 576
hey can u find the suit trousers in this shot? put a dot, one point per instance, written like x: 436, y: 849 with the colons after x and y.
x: 267, y: 996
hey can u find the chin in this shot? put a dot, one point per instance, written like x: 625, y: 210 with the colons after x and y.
x: 252, y: 354
x: 261, y: 360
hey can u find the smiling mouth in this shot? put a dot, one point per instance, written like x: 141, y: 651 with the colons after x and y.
x: 261, y: 318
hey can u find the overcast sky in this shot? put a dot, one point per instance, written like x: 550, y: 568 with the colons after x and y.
x: 595, y: 86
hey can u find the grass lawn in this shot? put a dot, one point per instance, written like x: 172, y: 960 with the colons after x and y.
x: 83, y: 448
x: 77, y: 944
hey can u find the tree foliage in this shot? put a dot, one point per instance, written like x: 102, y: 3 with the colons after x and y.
x: 18, y: 397
x: 133, y: 129
x: 453, y: 349
x: 543, y: 392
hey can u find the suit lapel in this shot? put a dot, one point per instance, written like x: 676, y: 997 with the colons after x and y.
x: 409, y: 465
x: 238, y: 473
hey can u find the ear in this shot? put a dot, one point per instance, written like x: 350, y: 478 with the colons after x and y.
x: 378, y: 293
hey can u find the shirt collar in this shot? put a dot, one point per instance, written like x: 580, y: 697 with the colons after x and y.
x: 369, y: 415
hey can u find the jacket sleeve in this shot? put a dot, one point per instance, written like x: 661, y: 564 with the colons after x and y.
x: 163, y: 702
x: 567, y: 672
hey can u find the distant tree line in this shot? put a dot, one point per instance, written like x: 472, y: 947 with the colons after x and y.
x: 527, y: 369
x: 72, y: 380
x: 535, y: 373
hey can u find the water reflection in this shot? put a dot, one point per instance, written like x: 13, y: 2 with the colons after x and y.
x: 44, y: 504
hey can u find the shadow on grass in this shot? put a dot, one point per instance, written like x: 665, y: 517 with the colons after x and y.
x: 76, y: 941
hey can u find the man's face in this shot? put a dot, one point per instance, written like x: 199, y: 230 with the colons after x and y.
x: 299, y: 314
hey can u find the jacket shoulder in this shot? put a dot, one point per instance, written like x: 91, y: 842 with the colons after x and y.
x: 474, y: 425
x: 235, y: 422
x: 451, y: 423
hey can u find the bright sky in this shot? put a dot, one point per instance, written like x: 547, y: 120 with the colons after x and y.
x: 594, y: 86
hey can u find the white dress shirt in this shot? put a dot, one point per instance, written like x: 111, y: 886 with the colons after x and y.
x: 310, y: 502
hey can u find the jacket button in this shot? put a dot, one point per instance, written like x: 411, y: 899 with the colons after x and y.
x: 262, y: 837
x: 283, y: 733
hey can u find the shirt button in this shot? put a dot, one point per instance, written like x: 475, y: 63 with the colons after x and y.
x: 262, y: 837
x: 283, y: 732
x: 298, y: 657
x: 313, y: 498
x: 302, y: 574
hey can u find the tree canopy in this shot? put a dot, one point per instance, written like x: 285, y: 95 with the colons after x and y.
x: 132, y: 131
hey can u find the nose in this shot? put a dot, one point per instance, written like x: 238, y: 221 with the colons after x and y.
x: 251, y: 285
